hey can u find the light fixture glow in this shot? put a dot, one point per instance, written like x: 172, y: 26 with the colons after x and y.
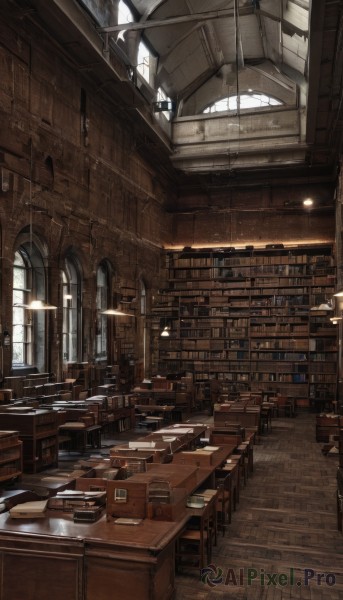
x: 339, y: 294
x: 39, y: 305
x: 165, y: 332
x: 334, y: 320
x: 116, y: 312
x: 308, y: 202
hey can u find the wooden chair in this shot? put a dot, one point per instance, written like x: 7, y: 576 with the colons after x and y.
x: 339, y: 511
x: 224, y: 499
x: 340, y: 499
x: 194, y: 544
x: 233, y: 470
x: 265, y: 418
x: 285, y: 406
x: 242, y: 452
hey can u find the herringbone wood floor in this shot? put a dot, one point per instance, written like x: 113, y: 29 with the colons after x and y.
x: 286, y: 519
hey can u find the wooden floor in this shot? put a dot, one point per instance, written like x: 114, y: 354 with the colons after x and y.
x: 285, y: 523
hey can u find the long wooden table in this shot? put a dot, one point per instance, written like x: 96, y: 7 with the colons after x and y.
x: 55, y: 558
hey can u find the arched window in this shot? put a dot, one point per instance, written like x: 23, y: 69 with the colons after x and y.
x: 243, y: 101
x: 124, y: 13
x: 142, y: 340
x: 102, y: 295
x: 29, y: 326
x: 71, y: 292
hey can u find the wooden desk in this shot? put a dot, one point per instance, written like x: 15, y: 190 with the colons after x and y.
x: 80, y: 437
x: 174, y: 472
x: 247, y: 416
x: 164, y: 411
x: 203, y: 458
x: 56, y: 558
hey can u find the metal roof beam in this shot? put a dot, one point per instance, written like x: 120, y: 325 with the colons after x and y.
x: 218, y: 14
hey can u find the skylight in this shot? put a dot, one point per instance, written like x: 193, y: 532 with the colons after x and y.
x: 248, y: 100
x: 124, y: 13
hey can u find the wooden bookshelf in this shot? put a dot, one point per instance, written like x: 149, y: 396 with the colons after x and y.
x: 10, y: 456
x: 38, y: 432
x: 244, y: 317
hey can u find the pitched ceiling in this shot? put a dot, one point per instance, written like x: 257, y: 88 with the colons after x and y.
x: 291, y: 49
x: 196, y: 40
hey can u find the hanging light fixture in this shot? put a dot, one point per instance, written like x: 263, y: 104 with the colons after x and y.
x: 116, y: 312
x: 34, y: 304
x: 334, y: 320
x: 37, y: 305
x: 40, y: 305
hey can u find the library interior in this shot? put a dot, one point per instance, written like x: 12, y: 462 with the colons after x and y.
x: 171, y: 300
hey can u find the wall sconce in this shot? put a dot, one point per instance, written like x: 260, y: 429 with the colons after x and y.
x: 165, y: 332
x: 6, y: 338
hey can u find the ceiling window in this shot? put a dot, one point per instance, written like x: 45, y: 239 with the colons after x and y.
x: 124, y: 13
x: 245, y: 101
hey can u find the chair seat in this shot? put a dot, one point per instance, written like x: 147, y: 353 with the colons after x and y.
x: 192, y: 535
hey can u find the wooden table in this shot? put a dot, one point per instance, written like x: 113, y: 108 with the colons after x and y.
x: 56, y: 558
x: 80, y: 437
x: 203, y: 458
x: 187, y: 436
x: 164, y: 411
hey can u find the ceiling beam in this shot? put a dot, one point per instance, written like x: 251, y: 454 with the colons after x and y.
x: 205, y: 16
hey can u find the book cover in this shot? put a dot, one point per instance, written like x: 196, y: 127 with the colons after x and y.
x: 28, y: 510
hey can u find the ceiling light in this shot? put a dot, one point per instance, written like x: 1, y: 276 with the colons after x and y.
x: 308, y: 202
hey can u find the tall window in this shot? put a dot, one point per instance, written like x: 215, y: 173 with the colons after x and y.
x: 102, y: 289
x: 248, y: 100
x: 21, y: 347
x: 29, y: 326
x: 143, y: 61
x: 142, y: 327
x: 71, y: 291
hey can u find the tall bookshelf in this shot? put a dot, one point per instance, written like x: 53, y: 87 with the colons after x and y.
x: 244, y: 317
